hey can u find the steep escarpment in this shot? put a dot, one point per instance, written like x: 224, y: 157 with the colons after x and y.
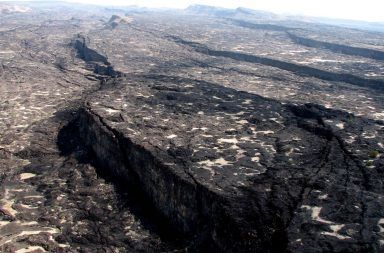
x: 302, y: 70
x: 293, y: 34
x: 261, y: 26
x: 51, y: 197
x: 338, y: 48
x: 236, y: 170
x: 97, y: 61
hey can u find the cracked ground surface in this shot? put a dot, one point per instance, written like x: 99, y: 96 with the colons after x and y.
x: 51, y: 196
x: 236, y: 134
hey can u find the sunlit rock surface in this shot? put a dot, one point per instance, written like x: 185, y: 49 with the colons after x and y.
x: 131, y: 130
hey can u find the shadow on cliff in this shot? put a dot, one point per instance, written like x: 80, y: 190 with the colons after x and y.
x: 130, y: 197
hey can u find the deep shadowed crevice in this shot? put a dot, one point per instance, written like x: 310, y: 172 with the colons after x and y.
x: 261, y: 26
x: 98, y: 62
x: 130, y: 195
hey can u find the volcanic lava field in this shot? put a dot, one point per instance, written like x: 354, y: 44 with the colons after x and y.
x: 197, y: 130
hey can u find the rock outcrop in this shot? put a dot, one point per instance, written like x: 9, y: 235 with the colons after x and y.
x: 246, y: 173
x: 116, y: 20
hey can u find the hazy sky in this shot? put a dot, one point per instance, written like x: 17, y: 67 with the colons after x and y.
x: 370, y: 10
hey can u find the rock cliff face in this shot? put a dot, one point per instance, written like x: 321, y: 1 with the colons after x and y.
x: 87, y: 54
x: 98, y: 62
x: 245, y: 173
x: 298, y: 69
x: 337, y: 48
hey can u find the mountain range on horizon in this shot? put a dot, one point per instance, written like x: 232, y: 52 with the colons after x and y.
x: 210, y: 10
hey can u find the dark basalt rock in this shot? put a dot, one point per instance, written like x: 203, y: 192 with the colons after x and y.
x: 172, y: 132
x: 302, y: 70
x: 98, y: 62
x: 256, y: 189
x: 87, y: 54
x: 337, y: 48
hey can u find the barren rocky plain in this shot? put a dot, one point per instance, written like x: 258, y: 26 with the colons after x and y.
x: 202, y: 130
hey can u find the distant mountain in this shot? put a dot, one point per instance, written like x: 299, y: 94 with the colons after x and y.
x: 239, y: 13
x: 242, y: 13
x: 116, y: 20
x: 256, y: 13
x: 209, y: 10
x: 130, y: 9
